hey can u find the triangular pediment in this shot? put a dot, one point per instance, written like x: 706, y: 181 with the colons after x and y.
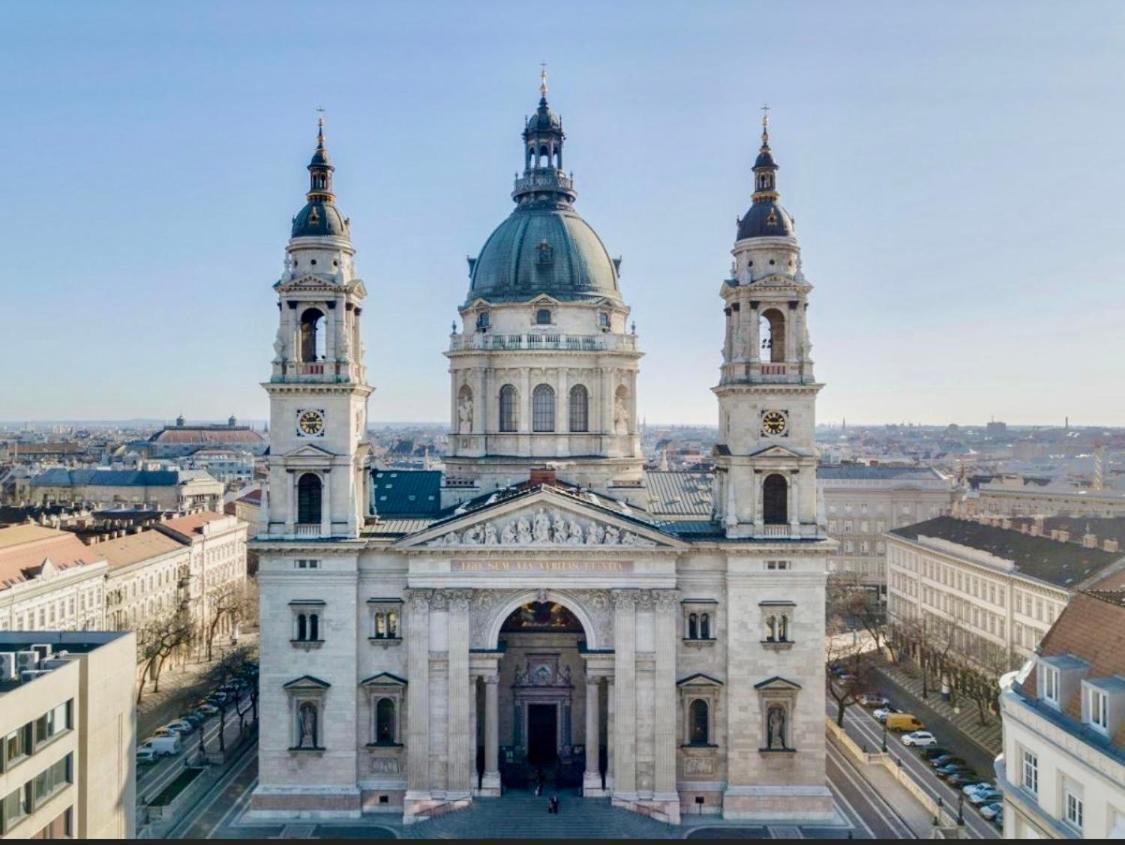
x: 776, y: 452
x: 777, y: 683
x: 383, y: 679
x: 544, y: 299
x: 543, y: 519
x: 699, y: 680
x: 308, y: 450
x: 306, y: 682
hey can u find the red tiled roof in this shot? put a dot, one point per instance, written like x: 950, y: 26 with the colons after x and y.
x: 207, y: 434
x: 24, y: 549
x: 192, y: 523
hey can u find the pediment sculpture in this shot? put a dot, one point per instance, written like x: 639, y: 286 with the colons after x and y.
x: 542, y: 528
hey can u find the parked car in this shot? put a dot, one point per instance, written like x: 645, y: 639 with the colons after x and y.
x: 146, y: 756
x: 207, y: 709
x: 920, y: 739
x: 961, y: 778
x: 986, y: 796
x: 904, y: 722
x: 970, y: 788
x: 934, y: 751
x: 163, y: 746
x: 194, y: 716
x: 883, y: 712
x: 874, y: 699
x: 955, y: 769
x: 164, y: 731
x: 991, y: 811
x: 945, y: 760
x: 181, y: 726
x: 998, y: 819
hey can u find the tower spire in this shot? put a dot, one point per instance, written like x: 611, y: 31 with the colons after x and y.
x: 765, y: 169
x: 765, y: 127
x: 543, y: 81
x: 320, y: 167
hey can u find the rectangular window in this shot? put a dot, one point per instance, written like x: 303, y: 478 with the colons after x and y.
x: 1074, y: 810
x: 51, y: 780
x: 1051, y: 684
x: 1099, y: 709
x: 1030, y: 772
x: 15, y: 806
x: 17, y: 745
x: 308, y: 564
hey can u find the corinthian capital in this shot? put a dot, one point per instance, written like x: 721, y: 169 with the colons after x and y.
x: 665, y: 600
x: 419, y: 599
x: 625, y: 599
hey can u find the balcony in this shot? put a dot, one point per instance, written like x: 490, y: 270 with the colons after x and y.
x: 774, y: 531
x: 306, y: 529
x: 547, y: 179
x: 480, y: 341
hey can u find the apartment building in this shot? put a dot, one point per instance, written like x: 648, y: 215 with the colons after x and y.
x: 50, y: 580
x: 67, y: 762
x: 863, y: 501
x: 991, y: 591
x: 1063, y: 766
x: 1019, y: 497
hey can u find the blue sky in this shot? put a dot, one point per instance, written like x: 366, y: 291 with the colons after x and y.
x: 955, y: 169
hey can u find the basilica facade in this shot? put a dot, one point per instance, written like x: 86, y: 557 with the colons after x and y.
x: 543, y: 622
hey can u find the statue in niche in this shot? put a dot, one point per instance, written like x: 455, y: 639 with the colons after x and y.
x: 620, y: 416
x: 523, y: 531
x: 595, y: 535
x: 307, y: 725
x: 490, y: 535
x: 279, y: 343
x: 612, y: 536
x: 343, y: 353
x: 542, y: 527
x: 775, y: 725
x: 559, y: 528
x: 465, y: 415
x: 508, y: 534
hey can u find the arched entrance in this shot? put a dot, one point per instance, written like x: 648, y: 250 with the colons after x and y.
x: 542, y: 698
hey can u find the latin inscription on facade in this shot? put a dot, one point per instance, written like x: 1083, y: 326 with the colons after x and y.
x: 542, y: 566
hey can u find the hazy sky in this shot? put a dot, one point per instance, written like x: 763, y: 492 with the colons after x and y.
x: 956, y: 171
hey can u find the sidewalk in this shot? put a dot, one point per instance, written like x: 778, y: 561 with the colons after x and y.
x: 882, y: 783
x: 967, y: 722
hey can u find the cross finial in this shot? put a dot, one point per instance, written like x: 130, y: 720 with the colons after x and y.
x: 320, y: 125
x: 765, y: 126
x: 543, y: 79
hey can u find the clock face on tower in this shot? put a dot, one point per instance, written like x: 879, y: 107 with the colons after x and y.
x: 310, y: 423
x: 774, y: 423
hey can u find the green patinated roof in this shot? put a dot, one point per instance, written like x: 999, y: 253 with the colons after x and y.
x: 544, y: 250
x: 402, y: 493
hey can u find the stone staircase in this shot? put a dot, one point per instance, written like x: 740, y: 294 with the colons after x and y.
x: 522, y: 815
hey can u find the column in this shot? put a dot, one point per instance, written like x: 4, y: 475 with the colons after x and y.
x: 754, y: 334
x: 625, y: 699
x: 473, y: 730
x: 525, y: 402
x: 418, y: 697
x: 460, y: 769
x: 290, y: 501
x: 326, y: 505
x: 491, y: 778
x: 759, y: 514
x: 610, y: 732
x: 592, y: 779
x: 665, y: 703
x: 481, y: 402
x: 562, y: 405
x: 794, y: 501
x: 330, y: 331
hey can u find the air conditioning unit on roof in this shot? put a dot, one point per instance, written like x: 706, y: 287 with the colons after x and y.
x: 27, y: 660
x: 8, y: 670
x: 42, y: 649
x: 31, y: 674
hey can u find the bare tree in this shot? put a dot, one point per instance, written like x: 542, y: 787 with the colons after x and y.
x: 859, y: 607
x: 157, y: 640
x: 849, y: 664
x: 228, y: 602
x: 237, y: 665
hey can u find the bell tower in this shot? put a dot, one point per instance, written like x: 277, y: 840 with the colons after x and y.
x: 318, y: 388
x: 766, y: 457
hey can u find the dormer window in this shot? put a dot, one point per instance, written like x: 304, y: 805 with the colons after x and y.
x: 1051, y: 684
x: 543, y: 317
x: 1097, y: 709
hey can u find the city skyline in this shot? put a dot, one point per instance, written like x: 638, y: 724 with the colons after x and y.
x: 164, y: 276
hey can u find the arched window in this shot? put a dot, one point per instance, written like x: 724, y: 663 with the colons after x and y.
x: 771, y: 629
x: 312, y: 339
x: 579, y: 408
x: 693, y: 626
x: 302, y: 627
x: 483, y: 321
x: 543, y: 317
x: 509, y: 408
x: 705, y: 626
x: 543, y: 408
x: 308, y: 499
x: 772, y: 332
x: 783, y: 629
x: 603, y: 320
x: 775, y: 500
x: 699, y: 723
x: 314, y: 627
x: 385, y: 722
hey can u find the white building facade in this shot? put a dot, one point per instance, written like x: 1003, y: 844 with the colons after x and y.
x: 1063, y: 767
x: 542, y: 620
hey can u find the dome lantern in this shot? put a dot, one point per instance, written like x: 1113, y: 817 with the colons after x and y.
x: 320, y: 216
x: 765, y: 218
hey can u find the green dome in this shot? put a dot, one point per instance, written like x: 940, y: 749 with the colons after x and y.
x: 319, y: 218
x: 543, y: 249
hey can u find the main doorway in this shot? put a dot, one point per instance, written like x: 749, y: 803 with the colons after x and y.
x: 542, y: 734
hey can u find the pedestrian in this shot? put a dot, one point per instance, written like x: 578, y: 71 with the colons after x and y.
x: 555, y: 803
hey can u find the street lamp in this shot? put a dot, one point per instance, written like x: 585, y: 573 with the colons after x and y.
x: 937, y: 814
x: 884, y: 737
x: 960, y: 806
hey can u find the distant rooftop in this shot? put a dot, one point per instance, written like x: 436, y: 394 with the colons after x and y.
x: 63, y: 477
x: 1063, y: 564
x: 26, y: 549
x: 876, y: 472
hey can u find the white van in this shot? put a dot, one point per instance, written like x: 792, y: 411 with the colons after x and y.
x: 163, y: 746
